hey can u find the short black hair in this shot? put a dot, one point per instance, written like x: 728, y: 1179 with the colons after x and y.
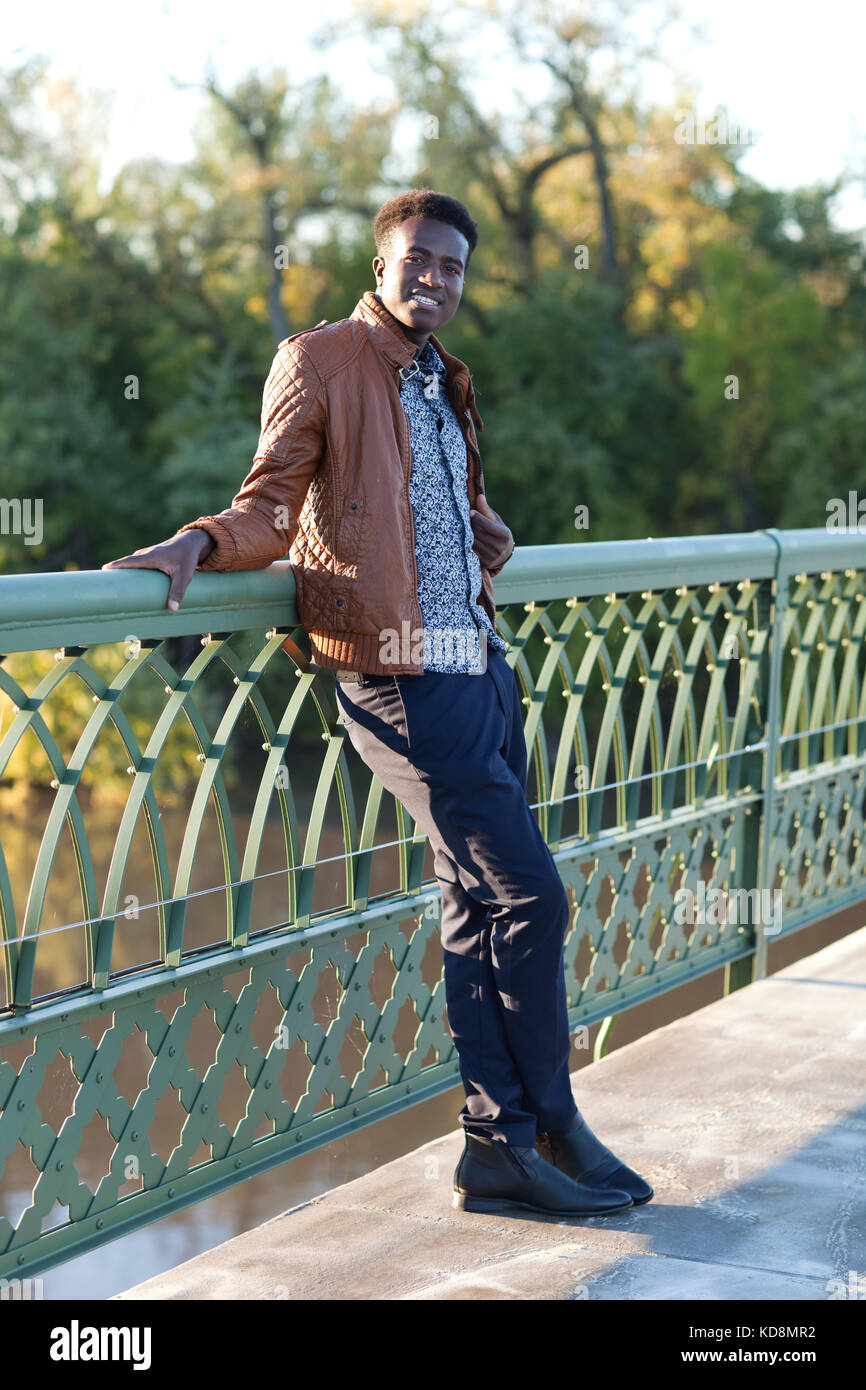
x: 422, y: 202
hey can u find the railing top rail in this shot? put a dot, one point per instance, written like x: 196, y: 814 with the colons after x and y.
x: 814, y: 549
x: 600, y: 567
x: 79, y: 608
x: 83, y: 607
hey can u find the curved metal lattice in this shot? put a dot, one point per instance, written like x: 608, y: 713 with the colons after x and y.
x: 709, y: 692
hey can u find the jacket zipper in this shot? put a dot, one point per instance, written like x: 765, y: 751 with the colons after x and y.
x: 406, y: 454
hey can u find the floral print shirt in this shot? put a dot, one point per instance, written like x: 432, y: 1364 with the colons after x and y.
x: 456, y: 628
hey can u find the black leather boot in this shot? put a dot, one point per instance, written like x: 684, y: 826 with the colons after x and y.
x: 492, y: 1176
x: 578, y: 1153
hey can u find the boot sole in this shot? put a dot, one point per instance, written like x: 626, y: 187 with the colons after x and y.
x: 464, y: 1201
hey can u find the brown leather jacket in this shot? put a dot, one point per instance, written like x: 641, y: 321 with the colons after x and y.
x: 330, y: 484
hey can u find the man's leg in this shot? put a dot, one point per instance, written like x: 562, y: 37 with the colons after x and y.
x: 491, y: 1078
x: 547, y: 1086
x: 451, y: 748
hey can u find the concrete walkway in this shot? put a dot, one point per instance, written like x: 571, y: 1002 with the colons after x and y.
x: 748, y: 1118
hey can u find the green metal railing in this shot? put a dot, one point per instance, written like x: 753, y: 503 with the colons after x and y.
x: 695, y: 715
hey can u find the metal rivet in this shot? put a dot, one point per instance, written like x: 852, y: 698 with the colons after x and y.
x: 204, y: 1108
x: 134, y: 1135
x: 268, y: 1085
x: 237, y: 1163
x: 99, y: 1223
x: 239, y: 1027
x: 171, y: 1052
x: 59, y: 1166
x: 20, y: 1105
x: 171, y: 1192
x: 99, y: 1076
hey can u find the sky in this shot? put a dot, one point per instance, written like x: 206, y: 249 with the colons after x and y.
x: 791, y: 73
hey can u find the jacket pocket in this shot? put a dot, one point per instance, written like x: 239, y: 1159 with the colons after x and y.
x: 352, y: 535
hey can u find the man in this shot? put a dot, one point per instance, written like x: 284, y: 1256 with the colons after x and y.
x: 368, y: 471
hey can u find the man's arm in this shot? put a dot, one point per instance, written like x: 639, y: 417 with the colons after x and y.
x: 262, y: 521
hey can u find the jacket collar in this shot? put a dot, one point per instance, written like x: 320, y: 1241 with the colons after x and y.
x: 393, y: 344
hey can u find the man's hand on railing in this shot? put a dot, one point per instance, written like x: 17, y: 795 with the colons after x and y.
x: 493, y: 540
x: 177, y: 557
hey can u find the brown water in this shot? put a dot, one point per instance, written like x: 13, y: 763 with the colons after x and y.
x: 163, y: 1244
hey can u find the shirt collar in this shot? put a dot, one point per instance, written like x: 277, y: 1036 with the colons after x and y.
x: 429, y: 358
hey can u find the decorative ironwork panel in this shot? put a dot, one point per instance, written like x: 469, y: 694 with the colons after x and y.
x: 696, y: 730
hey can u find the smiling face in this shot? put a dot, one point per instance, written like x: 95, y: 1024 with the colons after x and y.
x: 420, y: 279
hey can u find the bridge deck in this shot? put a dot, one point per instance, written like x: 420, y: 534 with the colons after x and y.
x: 748, y: 1117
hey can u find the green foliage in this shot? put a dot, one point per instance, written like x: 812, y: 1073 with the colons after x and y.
x: 56, y: 434
x: 747, y: 363
x: 577, y: 411
x: 206, y: 441
x: 822, y: 455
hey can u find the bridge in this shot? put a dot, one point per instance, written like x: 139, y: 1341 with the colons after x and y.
x: 696, y: 725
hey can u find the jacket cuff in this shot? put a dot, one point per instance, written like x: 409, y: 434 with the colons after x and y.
x: 225, y: 548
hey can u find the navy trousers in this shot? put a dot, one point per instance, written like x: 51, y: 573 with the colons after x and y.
x: 451, y: 748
